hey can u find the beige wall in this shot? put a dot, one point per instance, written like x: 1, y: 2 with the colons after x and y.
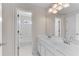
x: 8, y: 30
x: 50, y: 23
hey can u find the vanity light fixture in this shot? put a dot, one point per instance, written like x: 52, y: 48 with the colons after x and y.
x: 57, y: 7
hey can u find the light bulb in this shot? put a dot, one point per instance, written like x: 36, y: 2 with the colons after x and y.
x: 54, y: 11
x: 65, y: 5
x: 54, y: 6
x: 50, y: 10
x: 59, y: 8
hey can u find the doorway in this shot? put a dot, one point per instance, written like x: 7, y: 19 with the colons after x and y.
x: 24, y: 33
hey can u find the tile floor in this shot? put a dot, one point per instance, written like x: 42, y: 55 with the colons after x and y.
x: 25, y: 49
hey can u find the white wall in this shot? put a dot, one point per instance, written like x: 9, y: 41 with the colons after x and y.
x: 9, y: 17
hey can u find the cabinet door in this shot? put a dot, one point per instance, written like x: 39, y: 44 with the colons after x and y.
x: 49, y: 53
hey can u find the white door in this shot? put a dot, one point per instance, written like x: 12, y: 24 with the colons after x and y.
x: 25, y: 33
x: 0, y: 31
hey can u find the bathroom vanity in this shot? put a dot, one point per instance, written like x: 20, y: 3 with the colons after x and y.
x: 56, y: 47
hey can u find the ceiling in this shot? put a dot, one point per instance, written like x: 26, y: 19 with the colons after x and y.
x: 73, y: 7
x: 43, y: 5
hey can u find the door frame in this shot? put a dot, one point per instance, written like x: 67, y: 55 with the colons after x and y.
x: 1, y: 43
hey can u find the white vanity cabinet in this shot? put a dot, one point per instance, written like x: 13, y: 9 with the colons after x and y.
x: 44, y: 49
x: 50, y: 47
x: 41, y: 49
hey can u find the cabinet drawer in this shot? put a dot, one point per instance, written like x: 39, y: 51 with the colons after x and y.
x: 59, y: 53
